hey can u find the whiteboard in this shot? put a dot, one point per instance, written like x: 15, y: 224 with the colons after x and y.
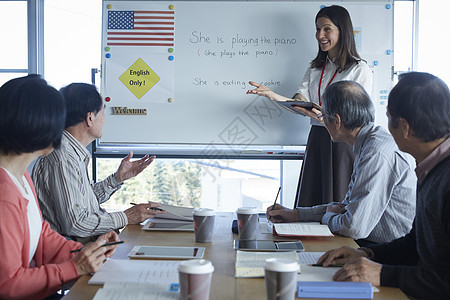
x: 196, y: 76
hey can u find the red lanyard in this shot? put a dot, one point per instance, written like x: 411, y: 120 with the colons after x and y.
x: 320, y: 82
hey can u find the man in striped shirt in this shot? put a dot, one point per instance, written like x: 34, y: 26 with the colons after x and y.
x: 69, y: 201
x: 379, y: 205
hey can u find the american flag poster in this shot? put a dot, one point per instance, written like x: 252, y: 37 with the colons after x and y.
x: 152, y: 28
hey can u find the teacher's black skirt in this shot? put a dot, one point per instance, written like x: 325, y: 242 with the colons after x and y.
x: 326, y: 170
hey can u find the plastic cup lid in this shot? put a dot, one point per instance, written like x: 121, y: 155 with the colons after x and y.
x: 281, y: 265
x: 203, y: 212
x: 196, y: 266
x: 247, y: 210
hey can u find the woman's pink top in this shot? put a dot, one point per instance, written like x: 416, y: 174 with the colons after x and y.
x: 52, y: 264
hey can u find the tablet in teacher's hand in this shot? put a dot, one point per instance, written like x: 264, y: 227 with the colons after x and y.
x: 304, y: 104
x: 307, y: 105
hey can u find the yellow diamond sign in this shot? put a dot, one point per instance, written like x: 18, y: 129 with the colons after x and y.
x: 139, y: 78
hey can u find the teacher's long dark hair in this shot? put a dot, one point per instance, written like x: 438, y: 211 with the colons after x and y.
x: 347, y: 54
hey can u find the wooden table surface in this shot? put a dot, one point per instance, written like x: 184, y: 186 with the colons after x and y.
x: 221, y: 253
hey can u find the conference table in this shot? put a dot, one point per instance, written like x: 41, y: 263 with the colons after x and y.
x: 220, y: 252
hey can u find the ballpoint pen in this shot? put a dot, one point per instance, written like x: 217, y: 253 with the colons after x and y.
x: 104, y: 245
x: 331, y: 266
x: 275, y: 202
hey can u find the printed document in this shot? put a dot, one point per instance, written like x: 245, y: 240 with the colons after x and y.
x: 140, y: 271
x: 309, y: 257
x: 137, y: 291
x: 302, y: 229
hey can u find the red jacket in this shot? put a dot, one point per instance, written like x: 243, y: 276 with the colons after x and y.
x: 53, y: 260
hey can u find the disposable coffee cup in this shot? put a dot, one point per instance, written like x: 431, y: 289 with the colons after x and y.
x: 248, y: 224
x: 281, y: 278
x: 195, y: 279
x: 204, y: 224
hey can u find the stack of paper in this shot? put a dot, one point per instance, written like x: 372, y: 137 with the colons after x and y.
x: 175, y: 218
x: 301, y: 229
x: 317, y: 274
x: 176, y: 213
x: 311, y: 273
x: 251, y: 264
x: 335, y: 290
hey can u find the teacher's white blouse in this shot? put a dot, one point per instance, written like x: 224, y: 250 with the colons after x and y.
x: 309, y: 88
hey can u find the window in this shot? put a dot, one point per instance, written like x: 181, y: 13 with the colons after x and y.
x: 13, y: 33
x: 72, y: 40
x: 403, y: 35
x: 432, y: 38
x: 222, y: 185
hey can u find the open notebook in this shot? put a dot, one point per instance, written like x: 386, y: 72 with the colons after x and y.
x: 301, y: 229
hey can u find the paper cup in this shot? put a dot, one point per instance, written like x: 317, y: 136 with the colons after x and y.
x: 195, y: 279
x: 247, y: 218
x: 204, y: 224
x: 281, y: 278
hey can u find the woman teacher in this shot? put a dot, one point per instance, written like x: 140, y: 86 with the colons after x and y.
x: 327, y: 166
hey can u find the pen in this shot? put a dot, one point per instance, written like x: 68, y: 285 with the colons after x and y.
x: 332, y: 266
x: 104, y: 245
x: 154, y: 208
x: 275, y: 202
